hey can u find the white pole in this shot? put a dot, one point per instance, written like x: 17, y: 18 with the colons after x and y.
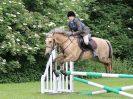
x: 71, y: 77
x: 54, y: 77
x: 51, y: 85
x: 63, y: 78
x: 66, y: 77
x: 42, y: 84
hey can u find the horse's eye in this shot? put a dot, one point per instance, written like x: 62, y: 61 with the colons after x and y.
x: 50, y: 41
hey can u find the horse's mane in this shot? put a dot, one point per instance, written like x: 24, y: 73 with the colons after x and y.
x: 58, y: 30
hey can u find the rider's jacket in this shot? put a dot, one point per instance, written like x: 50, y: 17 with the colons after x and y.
x: 78, y: 27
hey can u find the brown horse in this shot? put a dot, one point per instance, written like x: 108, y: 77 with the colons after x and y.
x: 70, y: 50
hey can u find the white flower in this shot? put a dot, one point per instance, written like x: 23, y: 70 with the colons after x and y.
x: 97, y: 32
x: 2, y: 46
x: 51, y: 24
x: 4, y: 3
x: 49, y: 13
x: 12, y: 37
x: 19, y: 3
x: 10, y: 1
x: 18, y: 32
x: 129, y: 28
x: 24, y: 23
x: 26, y: 51
x: 108, y: 26
x: 13, y: 15
x: 17, y: 50
x: 40, y: 26
x: 36, y: 35
x: 29, y: 48
x: 4, y: 60
x: 34, y: 26
x: 23, y: 46
x: 130, y: 19
x: 9, y: 27
x: 112, y: 23
x: 7, y: 13
x: 84, y: 1
x: 1, y: 20
x: 36, y: 47
x: 9, y: 44
x: 81, y: 19
x: 18, y: 12
x: 94, y: 9
x: 17, y: 39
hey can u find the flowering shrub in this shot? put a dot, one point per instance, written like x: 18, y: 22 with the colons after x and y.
x: 21, y: 38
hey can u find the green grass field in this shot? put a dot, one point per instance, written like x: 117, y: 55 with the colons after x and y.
x: 31, y: 90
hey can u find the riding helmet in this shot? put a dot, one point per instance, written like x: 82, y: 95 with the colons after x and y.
x: 71, y: 13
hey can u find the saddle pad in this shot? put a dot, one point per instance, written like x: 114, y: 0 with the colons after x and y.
x: 92, y: 44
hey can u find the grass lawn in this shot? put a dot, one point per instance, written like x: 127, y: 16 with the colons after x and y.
x: 31, y: 90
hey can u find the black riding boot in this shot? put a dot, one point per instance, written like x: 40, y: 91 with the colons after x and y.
x: 93, y: 50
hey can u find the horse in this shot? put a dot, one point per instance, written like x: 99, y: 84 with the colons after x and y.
x: 71, y: 51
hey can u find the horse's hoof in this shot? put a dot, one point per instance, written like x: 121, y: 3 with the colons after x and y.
x: 56, y: 73
x: 63, y: 72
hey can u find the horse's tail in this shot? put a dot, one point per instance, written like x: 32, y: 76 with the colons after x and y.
x: 110, y: 51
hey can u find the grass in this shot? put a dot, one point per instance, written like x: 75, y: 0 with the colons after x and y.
x: 31, y: 90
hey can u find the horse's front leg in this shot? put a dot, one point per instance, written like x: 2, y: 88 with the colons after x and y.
x: 58, y: 59
x: 66, y: 59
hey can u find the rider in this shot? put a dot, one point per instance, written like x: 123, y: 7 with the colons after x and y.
x: 79, y: 28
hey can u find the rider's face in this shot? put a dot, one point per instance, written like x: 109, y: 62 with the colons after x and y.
x: 71, y: 18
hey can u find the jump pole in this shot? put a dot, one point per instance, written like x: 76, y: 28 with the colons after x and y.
x: 95, y: 74
x: 106, y: 91
x: 103, y: 87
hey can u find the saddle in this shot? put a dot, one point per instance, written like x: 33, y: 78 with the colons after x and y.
x: 91, y: 46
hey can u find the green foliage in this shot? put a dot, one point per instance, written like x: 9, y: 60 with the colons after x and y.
x: 21, y: 40
x: 113, y: 22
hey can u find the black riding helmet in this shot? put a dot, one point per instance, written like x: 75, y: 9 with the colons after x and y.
x: 71, y: 13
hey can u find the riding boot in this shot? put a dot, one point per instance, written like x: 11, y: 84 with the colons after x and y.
x: 93, y: 50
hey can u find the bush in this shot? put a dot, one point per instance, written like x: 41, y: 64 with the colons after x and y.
x: 21, y: 40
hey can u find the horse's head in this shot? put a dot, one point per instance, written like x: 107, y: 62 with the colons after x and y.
x: 49, y: 41
x: 55, y: 35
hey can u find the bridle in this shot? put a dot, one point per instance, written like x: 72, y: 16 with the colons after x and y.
x: 54, y: 44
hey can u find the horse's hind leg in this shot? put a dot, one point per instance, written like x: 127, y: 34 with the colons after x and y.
x: 108, y: 64
x: 108, y: 68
